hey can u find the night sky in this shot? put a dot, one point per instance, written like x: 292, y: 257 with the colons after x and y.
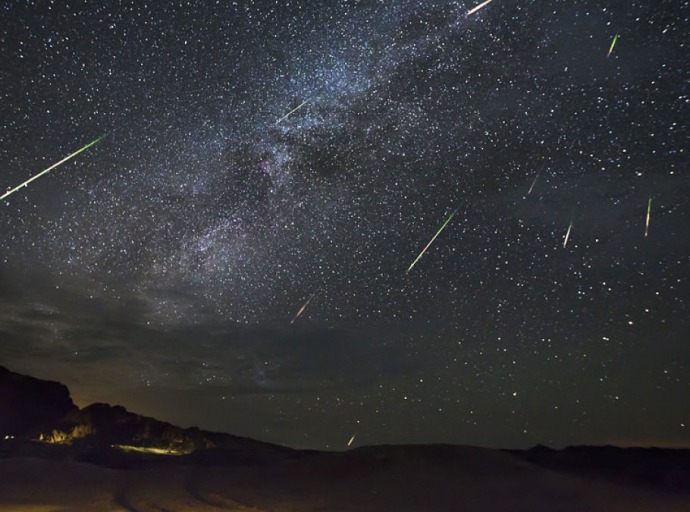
x: 263, y: 155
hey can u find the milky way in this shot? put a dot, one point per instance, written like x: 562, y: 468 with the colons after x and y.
x: 259, y: 152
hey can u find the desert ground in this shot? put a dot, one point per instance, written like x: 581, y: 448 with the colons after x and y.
x: 423, y: 478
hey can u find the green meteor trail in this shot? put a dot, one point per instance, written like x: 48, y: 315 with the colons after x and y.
x: 649, y: 211
x: 305, y: 305
x: 432, y: 240
x: 613, y: 43
x: 9, y: 192
x: 292, y: 111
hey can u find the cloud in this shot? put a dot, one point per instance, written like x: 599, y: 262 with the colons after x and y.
x: 114, y: 343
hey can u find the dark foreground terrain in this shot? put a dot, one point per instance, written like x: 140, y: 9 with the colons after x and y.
x: 384, y: 478
x: 102, y: 458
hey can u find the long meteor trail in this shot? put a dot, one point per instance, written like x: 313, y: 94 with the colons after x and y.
x: 649, y: 211
x: 301, y: 310
x: 480, y: 6
x: 9, y: 192
x: 292, y: 111
x: 432, y: 240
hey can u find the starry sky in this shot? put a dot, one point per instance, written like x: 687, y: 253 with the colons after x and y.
x: 260, y: 157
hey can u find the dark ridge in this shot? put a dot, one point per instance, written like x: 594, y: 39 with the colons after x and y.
x: 658, y: 468
x: 105, y: 424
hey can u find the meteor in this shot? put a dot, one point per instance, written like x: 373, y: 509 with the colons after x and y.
x: 649, y: 211
x: 567, y: 235
x: 301, y: 310
x: 434, y: 238
x: 9, y: 192
x: 352, y: 438
x: 292, y: 111
x: 480, y: 6
x: 533, y: 183
x: 613, y: 43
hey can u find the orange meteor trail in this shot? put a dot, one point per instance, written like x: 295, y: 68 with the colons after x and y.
x: 649, y: 211
x: 352, y: 439
x: 301, y: 310
x: 480, y: 6
x: 50, y: 168
x: 432, y: 240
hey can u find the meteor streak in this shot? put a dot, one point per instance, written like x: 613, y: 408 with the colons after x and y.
x: 613, y: 43
x: 51, y: 168
x: 480, y: 6
x: 567, y: 235
x: 434, y: 238
x: 292, y: 111
x: 649, y: 211
x: 352, y: 438
x: 301, y: 310
x: 533, y: 183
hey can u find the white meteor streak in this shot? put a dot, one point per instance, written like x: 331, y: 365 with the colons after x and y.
x: 292, y: 111
x: 480, y: 6
x: 352, y: 438
x: 567, y: 235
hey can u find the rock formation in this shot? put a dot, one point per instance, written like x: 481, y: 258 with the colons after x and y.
x: 28, y: 404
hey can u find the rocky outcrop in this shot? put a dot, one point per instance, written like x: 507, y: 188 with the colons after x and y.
x: 105, y: 424
x: 28, y: 404
x: 37, y: 410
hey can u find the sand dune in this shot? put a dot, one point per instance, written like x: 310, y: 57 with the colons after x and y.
x: 424, y: 478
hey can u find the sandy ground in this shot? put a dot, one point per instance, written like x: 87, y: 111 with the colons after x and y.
x: 463, y: 479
